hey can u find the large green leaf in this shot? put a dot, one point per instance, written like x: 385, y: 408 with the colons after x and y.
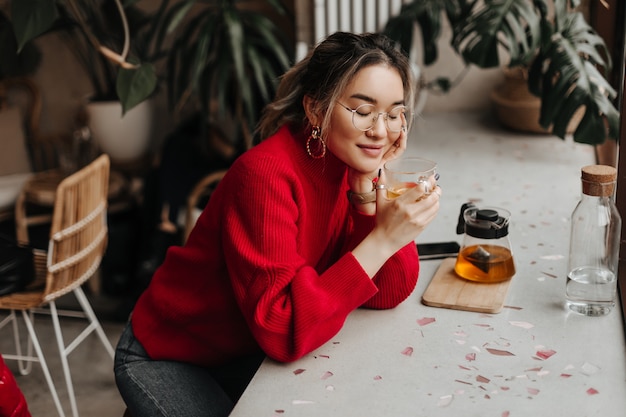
x: 135, y: 85
x: 511, y: 24
x: 12, y: 63
x: 235, y: 36
x: 428, y: 17
x: 31, y: 18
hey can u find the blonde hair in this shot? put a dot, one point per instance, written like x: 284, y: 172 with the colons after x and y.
x: 324, y: 74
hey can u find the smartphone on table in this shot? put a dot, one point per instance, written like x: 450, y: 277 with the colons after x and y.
x: 438, y: 250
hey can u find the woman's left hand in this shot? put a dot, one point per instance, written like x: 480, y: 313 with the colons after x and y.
x: 360, y: 182
x: 398, y: 147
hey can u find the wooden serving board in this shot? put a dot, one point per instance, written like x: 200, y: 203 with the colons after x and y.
x: 448, y: 290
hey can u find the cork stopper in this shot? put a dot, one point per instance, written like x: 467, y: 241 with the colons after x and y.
x: 598, y: 180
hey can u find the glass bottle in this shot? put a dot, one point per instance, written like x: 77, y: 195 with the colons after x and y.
x: 594, y: 244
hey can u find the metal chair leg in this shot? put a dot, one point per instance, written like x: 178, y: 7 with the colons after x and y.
x: 93, y: 320
x: 63, y: 351
x: 42, y: 361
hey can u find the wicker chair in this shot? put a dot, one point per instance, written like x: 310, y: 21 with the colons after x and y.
x: 200, y: 193
x: 78, y: 238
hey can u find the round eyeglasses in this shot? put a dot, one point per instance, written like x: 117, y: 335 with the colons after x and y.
x: 365, y: 116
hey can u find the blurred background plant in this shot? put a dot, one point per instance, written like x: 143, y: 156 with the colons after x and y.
x: 564, y: 58
x: 221, y: 57
x: 14, y: 64
x: 117, y: 45
x: 227, y: 61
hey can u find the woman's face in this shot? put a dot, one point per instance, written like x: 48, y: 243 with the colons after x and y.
x: 381, y: 86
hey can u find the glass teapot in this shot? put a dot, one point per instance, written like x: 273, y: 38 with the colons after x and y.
x: 485, y: 254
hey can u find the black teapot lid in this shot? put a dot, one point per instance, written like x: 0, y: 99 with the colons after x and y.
x: 485, y: 223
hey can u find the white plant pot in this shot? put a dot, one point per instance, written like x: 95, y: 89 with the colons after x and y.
x: 124, y: 138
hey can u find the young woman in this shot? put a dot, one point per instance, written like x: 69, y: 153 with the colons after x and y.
x: 294, y: 238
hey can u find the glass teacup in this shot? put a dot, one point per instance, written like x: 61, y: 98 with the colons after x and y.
x: 407, y: 172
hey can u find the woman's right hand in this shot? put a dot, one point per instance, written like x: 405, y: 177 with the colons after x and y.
x: 400, y: 220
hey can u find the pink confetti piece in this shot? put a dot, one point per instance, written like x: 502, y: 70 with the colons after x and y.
x: 532, y: 391
x: 506, y: 414
x: 298, y: 371
x: 522, y: 324
x: 327, y: 375
x: 545, y: 353
x: 534, y: 369
x: 592, y: 391
x: 279, y: 411
x: 324, y: 356
x: 482, y: 325
x: 566, y: 375
x: 408, y: 351
x: 504, y: 388
x: 499, y: 352
x: 465, y: 368
x: 463, y: 382
x: 425, y: 320
x: 470, y: 357
x: 378, y: 378
x: 482, y: 379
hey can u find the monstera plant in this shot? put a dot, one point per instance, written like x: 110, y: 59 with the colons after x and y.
x: 565, y: 58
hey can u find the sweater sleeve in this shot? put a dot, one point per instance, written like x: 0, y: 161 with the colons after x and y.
x: 397, y: 278
x: 290, y: 307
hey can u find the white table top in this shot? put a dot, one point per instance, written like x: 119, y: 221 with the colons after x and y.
x: 532, y: 359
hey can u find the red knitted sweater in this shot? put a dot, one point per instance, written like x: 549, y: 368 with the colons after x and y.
x: 268, y: 265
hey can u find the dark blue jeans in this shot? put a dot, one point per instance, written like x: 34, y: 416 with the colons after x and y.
x: 166, y: 388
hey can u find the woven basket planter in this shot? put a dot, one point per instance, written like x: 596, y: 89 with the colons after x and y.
x: 517, y: 108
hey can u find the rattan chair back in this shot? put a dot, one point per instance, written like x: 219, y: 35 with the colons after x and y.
x: 78, y: 234
x: 78, y: 237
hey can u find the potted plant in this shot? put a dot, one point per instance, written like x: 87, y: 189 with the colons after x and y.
x: 227, y: 61
x: 119, y: 48
x: 14, y: 64
x: 223, y: 60
x: 549, y: 39
x: 115, y: 44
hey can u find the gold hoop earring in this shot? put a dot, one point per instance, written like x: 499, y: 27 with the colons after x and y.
x: 316, y: 135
